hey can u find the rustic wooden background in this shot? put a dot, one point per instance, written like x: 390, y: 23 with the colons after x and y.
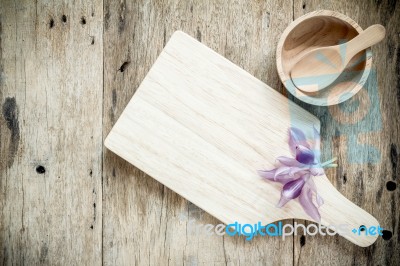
x: 68, y: 69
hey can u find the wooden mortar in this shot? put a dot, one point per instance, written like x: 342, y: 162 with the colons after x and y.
x: 319, y: 29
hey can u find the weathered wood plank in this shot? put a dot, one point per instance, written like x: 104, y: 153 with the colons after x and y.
x: 51, y: 85
x: 51, y: 111
x: 364, y: 133
x: 143, y: 221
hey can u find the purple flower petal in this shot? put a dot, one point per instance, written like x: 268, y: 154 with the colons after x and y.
x: 291, y: 190
x: 296, y: 171
x: 281, y: 171
x: 296, y: 137
x: 306, y: 202
x: 317, y: 171
x: 284, y: 179
x: 267, y: 174
x: 289, y: 161
x: 270, y: 175
x: 304, y: 155
x: 282, y: 202
x: 311, y: 184
x: 320, y: 200
x: 283, y: 175
x: 313, y: 187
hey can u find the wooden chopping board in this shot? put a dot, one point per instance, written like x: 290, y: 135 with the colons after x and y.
x: 202, y: 126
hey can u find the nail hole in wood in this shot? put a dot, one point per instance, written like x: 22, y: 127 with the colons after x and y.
x: 386, y: 234
x: 40, y: 169
x: 304, y: 6
x: 124, y: 66
x: 83, y: 20
x: 51, y: 23
x: 391, y: 186
x: 64, y: 18
x: 302, y: 241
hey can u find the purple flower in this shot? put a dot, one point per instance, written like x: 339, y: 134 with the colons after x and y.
x: 296, y: 173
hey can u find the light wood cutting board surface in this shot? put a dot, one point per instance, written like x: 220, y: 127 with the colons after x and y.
x: 203, y: 126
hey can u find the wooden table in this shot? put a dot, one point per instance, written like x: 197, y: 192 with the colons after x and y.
x: 68, y: 69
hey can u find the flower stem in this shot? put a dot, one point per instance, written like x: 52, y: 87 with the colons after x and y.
x: 329, y: 163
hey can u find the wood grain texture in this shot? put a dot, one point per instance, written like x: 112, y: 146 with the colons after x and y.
x: 197, y: 123
x: 364, y: 133
x: 51, y: 132
x: 141, y: 218
x: 153, y: 215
